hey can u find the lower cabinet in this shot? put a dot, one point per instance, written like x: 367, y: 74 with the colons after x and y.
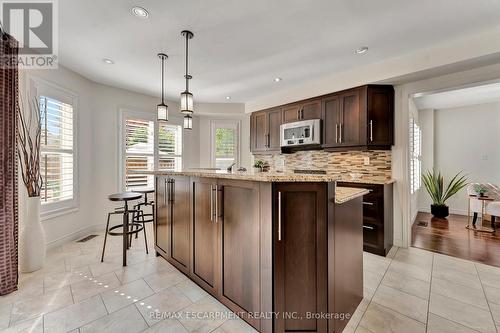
x: 377, y: 217
x: 205, y: 238
x: 162, y: 217
x: 300, y: 257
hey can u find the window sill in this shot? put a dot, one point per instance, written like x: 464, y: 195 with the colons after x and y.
x: 51, y: 214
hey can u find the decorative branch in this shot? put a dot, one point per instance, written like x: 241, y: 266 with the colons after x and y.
x: 29, y: 141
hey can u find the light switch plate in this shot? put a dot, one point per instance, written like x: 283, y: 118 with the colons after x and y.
x: 366, y: 160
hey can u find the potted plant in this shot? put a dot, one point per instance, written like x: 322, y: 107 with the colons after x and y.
x: 480, y: 190
x: 258, y: 166
x: 32, y: 236
x: 434, y: 184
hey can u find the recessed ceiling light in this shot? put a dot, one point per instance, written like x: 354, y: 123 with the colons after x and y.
x: 361, y: 50
x: 140, y: 12
x: 228, y: 97
x: 108, y: 61
x: 277, y: 79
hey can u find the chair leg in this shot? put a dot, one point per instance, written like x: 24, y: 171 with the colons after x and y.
x: 105, y: 237
x: 474, y: 220
x: 145, y: 238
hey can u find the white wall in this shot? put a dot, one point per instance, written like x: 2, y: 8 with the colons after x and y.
x: 465, y: 139
x: 98, y: 148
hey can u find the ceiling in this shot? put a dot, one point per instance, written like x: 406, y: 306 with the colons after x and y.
x: 487, y: 93
x: 241, y: 46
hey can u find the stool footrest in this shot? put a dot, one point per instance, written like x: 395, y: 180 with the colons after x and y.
x: 130, y: 232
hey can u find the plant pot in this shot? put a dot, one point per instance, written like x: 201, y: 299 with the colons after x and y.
x: 32, y: 238
x: 480, y: 195
x: 440, y: 211
x: 257, y: 170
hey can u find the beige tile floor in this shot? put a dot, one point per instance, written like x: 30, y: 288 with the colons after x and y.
x: 409, y: 291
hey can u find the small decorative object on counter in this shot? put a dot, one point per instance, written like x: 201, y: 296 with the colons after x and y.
x: 258, y: 166
x: 480, y: 190
x: 434, y: 184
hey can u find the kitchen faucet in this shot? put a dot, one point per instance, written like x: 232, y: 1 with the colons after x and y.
x: 230, y: 168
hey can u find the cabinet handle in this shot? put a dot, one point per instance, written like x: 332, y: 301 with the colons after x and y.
x: 211, y: 203
x: 336, y: 133
x: 371, y: 130
x: 302, y: 113
x: 166, y: 192
x: 279, y: 216
x: 298, y: 114
x: 172, y: 190
x: 216, y: 204
x: 367, y: 203
x: 340, y: 133
x: 268, y: 140
x: 367, y: 227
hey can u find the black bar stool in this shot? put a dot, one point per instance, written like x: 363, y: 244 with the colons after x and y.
x: 140, y: 216
x: 127, y: 228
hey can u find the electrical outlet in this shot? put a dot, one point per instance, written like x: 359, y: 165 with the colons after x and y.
x: 366, y: 160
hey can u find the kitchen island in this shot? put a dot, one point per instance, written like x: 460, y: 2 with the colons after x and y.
x: 283, y: 251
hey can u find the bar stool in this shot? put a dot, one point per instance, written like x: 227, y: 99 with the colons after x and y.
x: 127, y: 228
x: 140, y: 216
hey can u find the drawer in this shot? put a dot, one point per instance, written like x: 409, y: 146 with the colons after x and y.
x: 371, y: 234
x: 372, y: 208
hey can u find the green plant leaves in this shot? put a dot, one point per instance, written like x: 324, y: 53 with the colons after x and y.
x: 434, y: 184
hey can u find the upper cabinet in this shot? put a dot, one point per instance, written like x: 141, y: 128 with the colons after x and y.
x: 310, y: 109
x: 358, y: 118
x: 265, y: 130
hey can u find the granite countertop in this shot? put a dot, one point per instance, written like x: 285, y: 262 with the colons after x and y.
x: 271, y: 176
x: 344, y: 194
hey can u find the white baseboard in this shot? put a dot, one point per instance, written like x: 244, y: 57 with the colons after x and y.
x: 80, y: 233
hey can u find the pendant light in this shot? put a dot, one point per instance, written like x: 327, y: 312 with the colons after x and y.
x: 162, y: 108
x: 186, y: 97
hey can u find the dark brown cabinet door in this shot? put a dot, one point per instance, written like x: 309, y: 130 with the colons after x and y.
x: 205, y: 263
x: 162, y: 220
x: 275, y: 120
x: 300, y: 247
x: 332, y: 110
x: 291, y: 113
x: 380, y: 116
x: 311, y: 110
x: 180, y: 203
x: 240, y: 248
x: 351, y: 127
x: 259, y: 131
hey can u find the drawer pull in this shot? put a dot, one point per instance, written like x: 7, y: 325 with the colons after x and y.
x: 367, y: 227
x: 367, y: 203
x: 279, y: 216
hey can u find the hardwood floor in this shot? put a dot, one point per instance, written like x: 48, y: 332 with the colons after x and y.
x: 449, y: 236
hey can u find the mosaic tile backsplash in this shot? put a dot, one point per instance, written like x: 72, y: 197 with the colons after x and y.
x: 341, y: 163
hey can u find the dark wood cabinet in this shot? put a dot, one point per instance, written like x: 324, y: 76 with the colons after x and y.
x: 162, y: 217
x: 380, y: 116
x: 377, y: 217
x: 357, y: 118
x: 310, y: 109
x: 300, y: 254
x: 179, y: 201
x: 265, y: 130
x: 240, y: 247
x: 205, y: 263
x: 341, y: 120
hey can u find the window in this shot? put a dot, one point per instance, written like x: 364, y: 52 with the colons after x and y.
x: 169, y: 147
x: 56, y: 150
x: 225, y: 143
x: 415, y: 156
x: 147, y: 145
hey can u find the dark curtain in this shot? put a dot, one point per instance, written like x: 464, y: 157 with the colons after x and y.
x: 8, y: 166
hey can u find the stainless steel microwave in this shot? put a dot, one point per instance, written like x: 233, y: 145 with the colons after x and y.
x: 301, y: 133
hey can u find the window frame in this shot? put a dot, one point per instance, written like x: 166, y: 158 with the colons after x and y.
x: 225, y: 123
x: 40, y: 88
x: 125, y: 113
x: 415, y: 156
